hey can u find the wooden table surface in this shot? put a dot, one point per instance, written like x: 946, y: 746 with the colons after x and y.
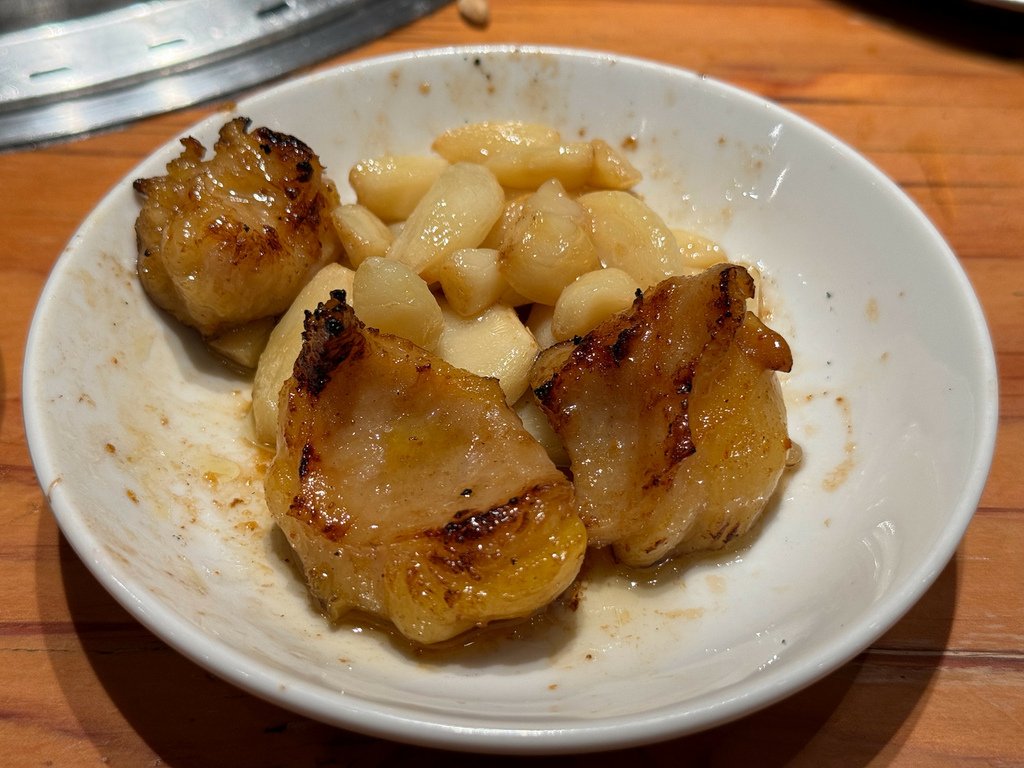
x: 934, y: 97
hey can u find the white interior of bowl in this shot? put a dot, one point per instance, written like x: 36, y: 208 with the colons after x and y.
x: 142, y: 443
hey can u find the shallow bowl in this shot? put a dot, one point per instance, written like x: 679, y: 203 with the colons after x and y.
x: 143, y: 444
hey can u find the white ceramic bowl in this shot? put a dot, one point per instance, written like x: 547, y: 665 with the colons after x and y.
x: 141, y: 439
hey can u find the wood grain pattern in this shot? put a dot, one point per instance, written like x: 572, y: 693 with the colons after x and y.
x: 934, y: 97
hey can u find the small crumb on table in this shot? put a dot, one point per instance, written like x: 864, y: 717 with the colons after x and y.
x: 476, y: 12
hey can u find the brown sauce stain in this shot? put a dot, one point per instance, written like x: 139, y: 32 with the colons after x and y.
x: 841, y: 472
x: 682, y: 613
x: 716, y: 583
x: 871, y: 310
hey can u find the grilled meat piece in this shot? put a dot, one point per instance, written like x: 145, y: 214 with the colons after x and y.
x: 672, y: 417
x: 410, y: 490
x: 232, y: 239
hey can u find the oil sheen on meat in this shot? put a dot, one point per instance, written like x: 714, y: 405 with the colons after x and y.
x: 411, y: 491
x: 672, y: 417
x: 229, y: 240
